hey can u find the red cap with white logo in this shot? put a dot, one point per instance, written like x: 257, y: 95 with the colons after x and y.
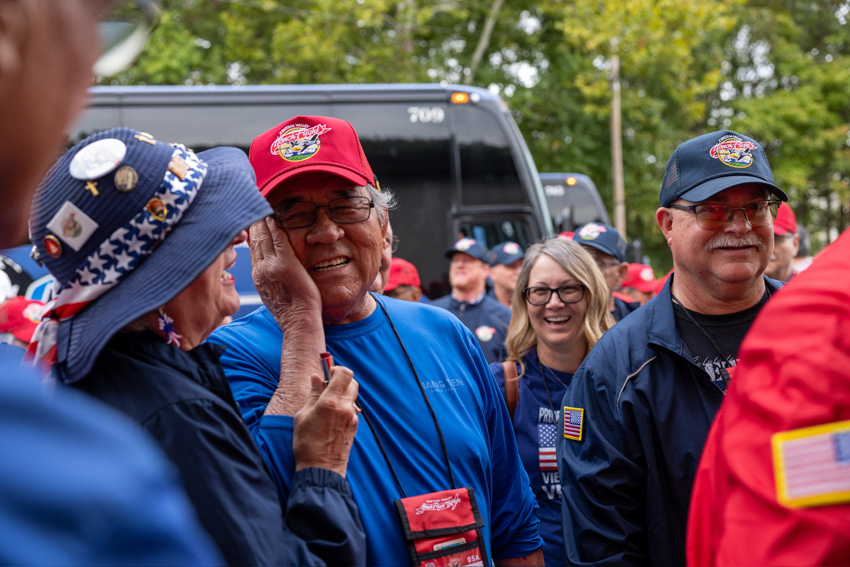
x: 309, y: 144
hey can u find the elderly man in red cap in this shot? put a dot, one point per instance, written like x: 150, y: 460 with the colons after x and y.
x: 438, y: 450
x: 403, y: 281
x: 786, y: 242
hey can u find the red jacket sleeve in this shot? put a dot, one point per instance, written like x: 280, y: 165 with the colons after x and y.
x: 793, y: 374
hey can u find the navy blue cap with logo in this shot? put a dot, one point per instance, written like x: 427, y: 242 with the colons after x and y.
x: 506, y: 253
x: 470, y: 246
x: 706, y: 165
x: 603, y: 237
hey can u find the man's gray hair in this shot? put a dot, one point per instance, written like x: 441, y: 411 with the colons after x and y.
x: 385, y: 200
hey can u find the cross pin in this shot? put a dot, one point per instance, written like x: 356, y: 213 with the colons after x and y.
x: 92, y: 186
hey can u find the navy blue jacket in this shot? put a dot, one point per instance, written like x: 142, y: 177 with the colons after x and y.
x: 487, y: 319
x: 623, y: 308
x: 82, y: 485
x: 184, y: 401
x: 647, y: 411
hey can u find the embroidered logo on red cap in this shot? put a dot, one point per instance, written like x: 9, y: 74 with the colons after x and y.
x: 298, y: 142
x: 733, y: 151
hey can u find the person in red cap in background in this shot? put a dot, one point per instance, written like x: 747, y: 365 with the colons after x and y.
x: 773, y: 486
x: 639, y: 284
x: 403, y: 281
x: 786, y: 241
x: 19, y: 317
x: 437, y: 427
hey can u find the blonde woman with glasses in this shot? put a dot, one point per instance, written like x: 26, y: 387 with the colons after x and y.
x: 559, y: 312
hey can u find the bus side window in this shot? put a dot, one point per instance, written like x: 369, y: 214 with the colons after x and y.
x: 487, y: 167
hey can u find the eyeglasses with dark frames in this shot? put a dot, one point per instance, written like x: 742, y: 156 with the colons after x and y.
x: 539, y: 295
x: 714, y: 216
x: 345, y: 210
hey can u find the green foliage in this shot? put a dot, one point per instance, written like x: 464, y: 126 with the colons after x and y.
x: 774, y: 69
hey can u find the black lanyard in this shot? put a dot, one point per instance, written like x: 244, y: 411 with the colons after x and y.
x: 428, y: 403
x: 724, y: 374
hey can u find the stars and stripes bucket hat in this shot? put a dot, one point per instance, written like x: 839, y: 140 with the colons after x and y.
x: 124, y: 223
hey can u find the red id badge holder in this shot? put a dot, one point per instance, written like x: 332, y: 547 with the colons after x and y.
x: 443, y: 529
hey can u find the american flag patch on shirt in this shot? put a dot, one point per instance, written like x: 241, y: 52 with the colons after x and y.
x: 812, y: 465
x: 573, y: 423
x: 546, y: 442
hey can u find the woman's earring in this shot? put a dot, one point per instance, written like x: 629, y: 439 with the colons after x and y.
x: 166, y: 324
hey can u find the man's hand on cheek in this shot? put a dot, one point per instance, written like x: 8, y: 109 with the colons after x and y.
x: 281, y: 281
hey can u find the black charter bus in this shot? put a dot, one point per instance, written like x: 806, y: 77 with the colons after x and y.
x: 573, y: 200
x: 453, y: 154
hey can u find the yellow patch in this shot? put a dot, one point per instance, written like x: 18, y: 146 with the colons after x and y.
x: 812, y: 465
x: 573, y: 423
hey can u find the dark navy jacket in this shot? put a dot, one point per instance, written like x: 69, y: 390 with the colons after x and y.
x: 184, y: 401
x: 82, y: 485
x: 487, y: 319
x: 647, y: 411
x: 623, y: 308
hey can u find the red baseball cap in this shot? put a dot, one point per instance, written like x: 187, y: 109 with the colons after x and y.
x: 641, y: 277
x: 309, y: 144
x: 786, y: 221
x: 402, y: 272
x: 20, y: 316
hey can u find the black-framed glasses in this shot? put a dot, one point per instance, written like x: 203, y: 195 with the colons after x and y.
x: 539, y: 295
x: 714, y: 216
x: 124, y: 29
x: 345, y: 210
x: 393, y: 242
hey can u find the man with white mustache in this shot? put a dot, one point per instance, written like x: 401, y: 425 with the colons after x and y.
x: 641, y: 404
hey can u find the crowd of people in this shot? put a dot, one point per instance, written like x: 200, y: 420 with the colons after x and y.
x: 559, y: 406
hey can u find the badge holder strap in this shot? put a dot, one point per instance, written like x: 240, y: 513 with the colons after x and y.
x: 424, y: 396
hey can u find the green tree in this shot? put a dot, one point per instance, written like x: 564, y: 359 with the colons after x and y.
x: 671, y: 55
x: 774, y: 69
x: 788, y: 85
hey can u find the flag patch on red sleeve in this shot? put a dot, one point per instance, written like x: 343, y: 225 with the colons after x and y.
x: 812, y: 465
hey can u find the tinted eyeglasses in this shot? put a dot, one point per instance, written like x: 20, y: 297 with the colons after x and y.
x: 124, y: 29
x: 714, y: 216
x: 570, y: 293
x: 301, y: 214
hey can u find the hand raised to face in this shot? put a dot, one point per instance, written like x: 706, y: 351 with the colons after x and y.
x: 283, y: 284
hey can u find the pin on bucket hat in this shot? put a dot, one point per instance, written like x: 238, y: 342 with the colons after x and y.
x: 124, y: 223
x: 706, y: 165
x: 308, y: 145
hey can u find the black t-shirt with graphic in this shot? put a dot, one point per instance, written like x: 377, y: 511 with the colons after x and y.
x: 727, y: 330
